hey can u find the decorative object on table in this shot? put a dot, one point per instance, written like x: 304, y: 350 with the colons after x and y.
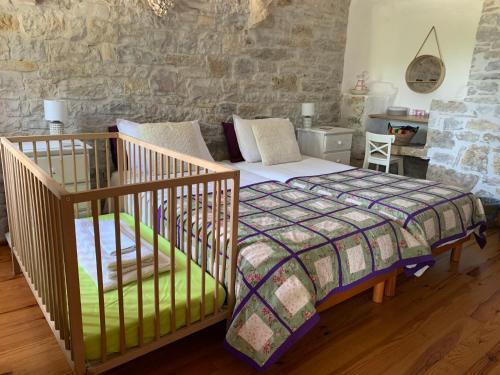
x: 56, y: 113
x: 418, y: 112
x: 361, y: 88
x: 426, y: 72
x: 161, y: 7
x: 397, y: 111
x: 403, y: 134
x: 307, y: 114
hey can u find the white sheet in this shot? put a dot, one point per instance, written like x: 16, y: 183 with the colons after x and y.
x: 308, y: 166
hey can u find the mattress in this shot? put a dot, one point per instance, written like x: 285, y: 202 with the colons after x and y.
x: 308, y: 166
x: 90, y: 302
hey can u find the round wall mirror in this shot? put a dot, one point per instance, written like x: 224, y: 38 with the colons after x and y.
x: 425, y: 74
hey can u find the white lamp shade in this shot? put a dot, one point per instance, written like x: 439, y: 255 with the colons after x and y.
x: 55, y: 110
x: 308, y: 109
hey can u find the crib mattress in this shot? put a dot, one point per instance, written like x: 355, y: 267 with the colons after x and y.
x: 90, y: 301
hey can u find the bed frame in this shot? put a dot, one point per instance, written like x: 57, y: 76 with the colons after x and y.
x: 455, y: 249
x: 41, y: 214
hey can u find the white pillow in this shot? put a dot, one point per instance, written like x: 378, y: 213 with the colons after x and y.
x: 246, y: 138
x: 183, y: 137
x: 277, y: 144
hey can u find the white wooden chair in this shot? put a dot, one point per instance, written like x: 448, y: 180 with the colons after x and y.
x: 378, y: 151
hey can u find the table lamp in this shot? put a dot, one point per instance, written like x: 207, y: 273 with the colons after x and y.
x: 307, y: 114
x: 56, y: 113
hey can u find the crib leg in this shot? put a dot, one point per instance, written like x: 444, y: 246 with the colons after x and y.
x: 456, y: 253
x: 378, y: 292
x: 390, y: 285
x: 16, y: 269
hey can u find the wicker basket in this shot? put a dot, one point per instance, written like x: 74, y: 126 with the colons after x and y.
x: 404, y: 134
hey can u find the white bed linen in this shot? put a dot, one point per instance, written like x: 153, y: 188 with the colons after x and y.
x: 308, y: 166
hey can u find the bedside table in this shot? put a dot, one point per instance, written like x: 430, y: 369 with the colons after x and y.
x: 332, y: 144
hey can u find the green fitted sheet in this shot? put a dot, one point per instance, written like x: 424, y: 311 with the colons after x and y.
x: 90, y: 301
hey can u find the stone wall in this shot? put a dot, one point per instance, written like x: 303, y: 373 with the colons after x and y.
x: 484, y: 80
x: 115, y: 59
x: 464, y: 146
x: 464, y: 136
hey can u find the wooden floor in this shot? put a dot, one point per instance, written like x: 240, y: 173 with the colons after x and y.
x: 446, y: 322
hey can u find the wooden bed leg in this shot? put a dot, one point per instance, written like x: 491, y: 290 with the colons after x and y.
x: 16, y: 270
x: 378, y: 292
x: 390, y: 285
x: 456, y: 253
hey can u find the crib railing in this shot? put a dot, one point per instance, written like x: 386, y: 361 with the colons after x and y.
x: 190, y: 202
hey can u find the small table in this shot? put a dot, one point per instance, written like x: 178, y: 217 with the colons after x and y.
x: 326, y: 142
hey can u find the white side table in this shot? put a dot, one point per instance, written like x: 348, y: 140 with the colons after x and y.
x: 329, y: 143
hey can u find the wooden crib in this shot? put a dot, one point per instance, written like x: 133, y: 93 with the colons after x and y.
x: 52, y: 180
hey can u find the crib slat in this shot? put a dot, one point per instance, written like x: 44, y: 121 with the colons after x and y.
x: 73, y: 152
x: 49, y: 158
x: 100, y: 288
x: 56, y: 211
x: 224, y: 243
x: 154, y: 202
x: 108, y: 170
x: 172, y: 228
x: 204, y: 241
x: 73, y: 284
x: 197, y: 219
x: 233, y: 246
x: 216, y: 250
x: 189, y: 251
x: 35, y: 153
x: 162, y: 208
x: 86, y: 170
x: 61, y: 159
x: 140, y: 313
x: 47, y: 256
x: 119, y: 273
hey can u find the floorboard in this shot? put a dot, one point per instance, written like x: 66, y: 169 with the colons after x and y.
x: 447, y: 321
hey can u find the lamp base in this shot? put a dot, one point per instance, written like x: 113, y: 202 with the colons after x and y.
x: 307, y: 122
x: 56, y: 128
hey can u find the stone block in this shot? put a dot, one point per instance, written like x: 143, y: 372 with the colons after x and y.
x: 8, y: 22
x: 475, y: 158
x: 484, y: 125
x: 18, y: 66
x: 287, y: 82
x: 438, y: 139
x: 244, y: 68
x: 453, y: 177
x: 219, y: 67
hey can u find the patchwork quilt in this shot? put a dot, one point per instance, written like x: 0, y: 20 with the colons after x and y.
x: 433, y: 212
x: 296, y: 249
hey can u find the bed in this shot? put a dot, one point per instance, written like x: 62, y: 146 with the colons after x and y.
x: 439, y: 215
x: 300, y: 253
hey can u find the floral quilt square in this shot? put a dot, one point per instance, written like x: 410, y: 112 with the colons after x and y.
x: 323, y: 268
x: 293, y: 196
x: 270, y: 187
x: 290, y: 293
x: 330, y: 227
x: 246, y: 209
x: 295, y: 213
x: 296, y: 237
x: 322, y: 205
x: 256, y: 331
x: 264, y: 221
x: 247, y: 194
x: 268, y: 203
